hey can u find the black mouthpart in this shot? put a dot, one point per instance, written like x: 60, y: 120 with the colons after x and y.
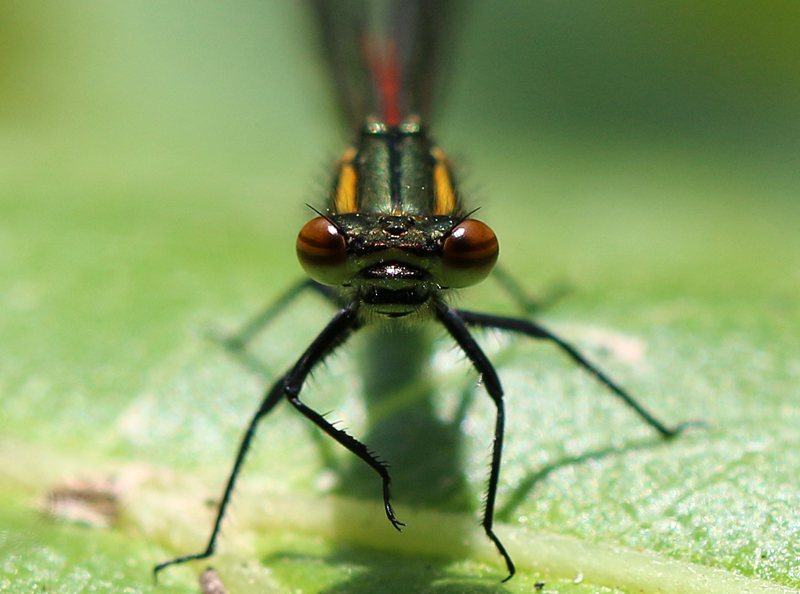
x: 411, y: 297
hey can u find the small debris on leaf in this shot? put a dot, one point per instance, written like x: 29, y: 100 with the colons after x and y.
x: 93, y: 503
x: 210, y: 582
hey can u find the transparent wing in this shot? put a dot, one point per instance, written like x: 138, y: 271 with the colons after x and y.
x: 385, y: 55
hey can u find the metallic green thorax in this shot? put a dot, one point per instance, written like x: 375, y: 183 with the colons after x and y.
x: 395, y: 174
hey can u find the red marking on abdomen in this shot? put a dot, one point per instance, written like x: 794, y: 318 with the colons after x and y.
x: 385, y: 69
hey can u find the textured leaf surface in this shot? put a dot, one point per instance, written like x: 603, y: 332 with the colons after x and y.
x: 149, y: 201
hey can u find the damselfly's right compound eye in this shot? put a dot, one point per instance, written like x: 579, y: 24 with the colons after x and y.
x: 469, y: 254
x: 322, y: 251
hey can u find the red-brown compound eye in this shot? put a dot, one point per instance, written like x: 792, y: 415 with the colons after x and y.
x: 322, y: 251
x: 469, y: 254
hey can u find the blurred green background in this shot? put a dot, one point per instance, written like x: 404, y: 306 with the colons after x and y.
x: 155, y: 159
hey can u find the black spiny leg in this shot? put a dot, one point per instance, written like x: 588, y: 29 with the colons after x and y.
x: 272, y: 398
x: 455, y: 326
x: 334, y: 334
x: 292, y: 385
x: 535, y: 331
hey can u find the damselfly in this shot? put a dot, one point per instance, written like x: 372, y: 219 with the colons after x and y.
x: 394, y: 238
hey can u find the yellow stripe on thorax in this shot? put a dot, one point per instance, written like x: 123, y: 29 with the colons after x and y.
x: 445, y: 193
x: 345, y: 198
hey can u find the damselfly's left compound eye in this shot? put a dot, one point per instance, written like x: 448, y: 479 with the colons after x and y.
x: 322, y: 251
x: 469, y: 254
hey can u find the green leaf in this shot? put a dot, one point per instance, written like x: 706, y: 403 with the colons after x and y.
x: 154, y: 171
